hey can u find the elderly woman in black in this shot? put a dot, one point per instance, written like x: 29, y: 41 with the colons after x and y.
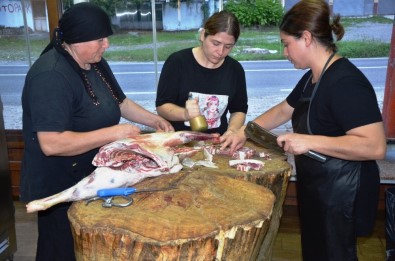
x: 72, y: 105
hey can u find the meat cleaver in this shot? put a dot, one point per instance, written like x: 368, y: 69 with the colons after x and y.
x: 268, y: 140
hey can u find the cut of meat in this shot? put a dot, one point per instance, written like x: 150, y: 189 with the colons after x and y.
x: 247, y: 164
x: 128, y: 161
x: 242, y: 153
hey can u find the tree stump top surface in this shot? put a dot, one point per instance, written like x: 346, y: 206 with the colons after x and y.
x: 201, y: 204
x: 204, y: 201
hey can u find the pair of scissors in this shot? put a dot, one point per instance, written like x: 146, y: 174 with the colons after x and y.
x: 107, y: 195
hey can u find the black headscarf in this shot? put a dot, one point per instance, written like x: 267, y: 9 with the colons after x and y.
x: 84, y: 22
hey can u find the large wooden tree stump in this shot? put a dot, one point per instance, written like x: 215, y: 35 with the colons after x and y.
x: 213, y: 214
x: 208, y: 216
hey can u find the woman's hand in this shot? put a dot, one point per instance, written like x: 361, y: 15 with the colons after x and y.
x: 125, y: 130
x: 233, y: 140
x: 163, y: 125
x: 192, y: 108
x: 294, y: 143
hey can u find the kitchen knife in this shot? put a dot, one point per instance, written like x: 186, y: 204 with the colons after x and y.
x: 268, y: 139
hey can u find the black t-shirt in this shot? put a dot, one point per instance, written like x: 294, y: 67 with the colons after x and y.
x: 345, y: 99
x: 223, y: 87
x: 54, y: 99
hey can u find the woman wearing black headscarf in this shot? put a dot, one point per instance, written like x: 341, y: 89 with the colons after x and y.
x: 72, y: 105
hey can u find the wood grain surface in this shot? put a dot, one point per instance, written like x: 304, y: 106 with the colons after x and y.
x: 209, y: 214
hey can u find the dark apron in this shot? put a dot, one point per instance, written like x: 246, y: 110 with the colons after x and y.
x: 327, y: 195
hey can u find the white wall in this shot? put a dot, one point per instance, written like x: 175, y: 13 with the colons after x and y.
x: 11, y: 13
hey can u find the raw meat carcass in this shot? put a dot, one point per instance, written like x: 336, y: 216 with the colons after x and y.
x: 128, y: 161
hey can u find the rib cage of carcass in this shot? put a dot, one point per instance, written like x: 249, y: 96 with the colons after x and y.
x: 128, y: 161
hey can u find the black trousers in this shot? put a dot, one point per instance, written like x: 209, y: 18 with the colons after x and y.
x: 55, y: 240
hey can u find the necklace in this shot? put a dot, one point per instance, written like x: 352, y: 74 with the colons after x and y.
x: 89, y: 89
x: 87, y: 83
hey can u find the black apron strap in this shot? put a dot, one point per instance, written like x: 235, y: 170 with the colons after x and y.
x: 315, y: 90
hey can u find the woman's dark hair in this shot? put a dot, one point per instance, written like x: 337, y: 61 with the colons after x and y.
x: 223, y: 21
x: 313, y: 16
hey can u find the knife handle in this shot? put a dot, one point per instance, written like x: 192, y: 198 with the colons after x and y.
x: 316, y: 156
x: 115, y: 192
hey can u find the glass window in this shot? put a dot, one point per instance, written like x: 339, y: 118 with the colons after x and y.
x: 24, y: 32
x: 136, y: 52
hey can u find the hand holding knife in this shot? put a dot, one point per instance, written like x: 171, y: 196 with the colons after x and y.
x: 269, y: 140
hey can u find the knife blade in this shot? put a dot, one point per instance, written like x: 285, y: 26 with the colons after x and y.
x: 268, y: 140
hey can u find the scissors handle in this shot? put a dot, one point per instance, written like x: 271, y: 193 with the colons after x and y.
x: 108, y: 202
x: 115, y: 192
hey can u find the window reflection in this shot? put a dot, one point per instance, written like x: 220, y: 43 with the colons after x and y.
x: 20, y: 43
x: 133, y: 18
x: 25, y: 31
